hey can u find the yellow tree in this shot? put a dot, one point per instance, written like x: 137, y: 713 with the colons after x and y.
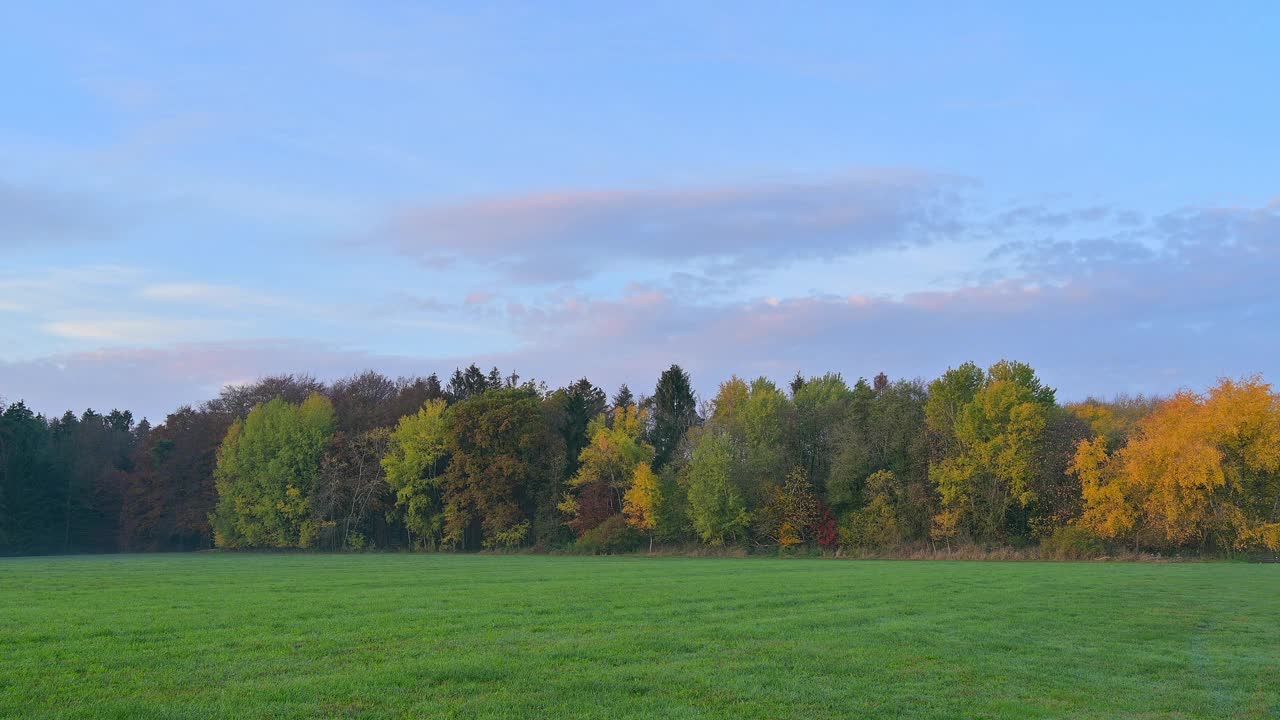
x: 1102, y: 420
x: 1244, y: 418
x: 1174, y: 470
x: 732, y: 395
x: 1198, y: 469
x: 608, y: 465
x: 640, y: 503
x: 1110, y: 508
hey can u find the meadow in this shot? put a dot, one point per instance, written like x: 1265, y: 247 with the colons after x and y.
x: 298, y: 636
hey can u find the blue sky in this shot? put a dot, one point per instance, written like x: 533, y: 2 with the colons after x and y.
x: 198, y: 194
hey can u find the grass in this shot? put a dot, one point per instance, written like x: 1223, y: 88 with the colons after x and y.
x: 294, y: 636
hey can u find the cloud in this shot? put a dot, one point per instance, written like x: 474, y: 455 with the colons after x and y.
x: 1083, y: 339
x: 1190, y: 247
x: 141, y: 330
x: 63, y: 295
x: 1183, y: 298
x: 30, y: 215
x: 207, y: 294
x: 1189, y: 299
x: 92, y: 304
x: 1073, y: 257
x: 154, y: 381
x: 570, y: 235
x: 1042, y: 216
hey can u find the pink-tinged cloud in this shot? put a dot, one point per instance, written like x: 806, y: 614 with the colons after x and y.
x: 1145, y: 346
x: 1202, y: 304
x: 553, y: 237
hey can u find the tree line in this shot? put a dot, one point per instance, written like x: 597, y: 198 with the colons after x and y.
x: 984, y: 457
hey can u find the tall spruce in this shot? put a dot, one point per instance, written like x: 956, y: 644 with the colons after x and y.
x: 675, y: 410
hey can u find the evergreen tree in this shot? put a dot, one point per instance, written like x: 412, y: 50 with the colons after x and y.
x: 623, y: 398
x: 674, y: 412
x: 578, y: 406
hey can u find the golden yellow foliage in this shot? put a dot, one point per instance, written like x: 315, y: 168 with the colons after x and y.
x: 1101, y: 419
x: 640, y: 504
x: 609, y: 466
x: 615, y: 450
x: 1200, y: 468
x: 945, y: 525
x: 1107, y: 510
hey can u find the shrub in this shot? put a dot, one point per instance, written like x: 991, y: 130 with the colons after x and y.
x: 510, y: 537
x: 874, y: 526
x: 1072, y: 543
x: 613, y: 535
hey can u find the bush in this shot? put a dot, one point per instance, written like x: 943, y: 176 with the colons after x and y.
x: 612, y: 536
x: 1072, y: 543
x: 874, y: 526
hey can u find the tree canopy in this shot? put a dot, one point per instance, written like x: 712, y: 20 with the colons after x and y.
x: 986, y: 457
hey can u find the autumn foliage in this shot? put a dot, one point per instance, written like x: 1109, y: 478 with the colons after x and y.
x: 978, y: 459
x: 1201, y: 470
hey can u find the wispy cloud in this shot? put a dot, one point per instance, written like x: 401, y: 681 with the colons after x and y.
x: 30, y: 215
x: 571, y: 235
x: 1097, y: 317
x: 1098, y: 303
x: 138, y: 330
x: 208, y: 294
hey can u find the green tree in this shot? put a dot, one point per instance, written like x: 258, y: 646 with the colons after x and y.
x: 877, y: 523
x: 790, y: 512
x: 416, y: 456
x: 1023, y: 376
x: 756, y: 418
x: 622, y: 399
x: 993, y: 446
x: 32, y: 484
x: 764, y: 420
x: 501, y: 473
x: 888, y: 436
x: 948, y: 396
x: 716, y: 506
x: 267, y: 470
x: 821, y: 405
x: 469, y: 383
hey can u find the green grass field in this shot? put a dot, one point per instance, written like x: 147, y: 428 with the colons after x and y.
x: 254, y: 636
